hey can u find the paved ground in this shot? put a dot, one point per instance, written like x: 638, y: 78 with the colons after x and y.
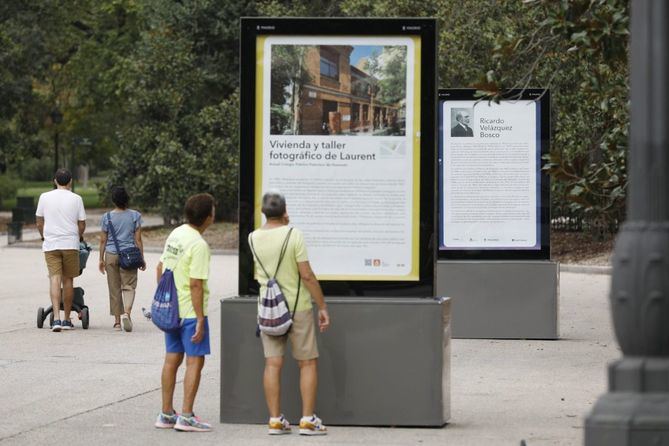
x: 101, y: 387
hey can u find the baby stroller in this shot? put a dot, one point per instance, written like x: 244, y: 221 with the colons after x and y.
x: 78, y: 304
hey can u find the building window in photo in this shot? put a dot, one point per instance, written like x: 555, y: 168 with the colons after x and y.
x: 355, y: 112
x: 329, y: 67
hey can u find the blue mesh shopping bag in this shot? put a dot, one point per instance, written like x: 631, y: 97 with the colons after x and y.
x: 165, y: 305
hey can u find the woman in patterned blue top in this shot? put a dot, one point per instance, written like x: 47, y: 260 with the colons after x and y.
x: 127, y: 224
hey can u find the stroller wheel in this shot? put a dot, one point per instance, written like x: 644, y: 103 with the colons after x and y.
x: 84, y: 318
x: 51, y: 318
x: 40, y: 317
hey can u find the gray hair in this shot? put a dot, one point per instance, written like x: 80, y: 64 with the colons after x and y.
x: 273, y: 204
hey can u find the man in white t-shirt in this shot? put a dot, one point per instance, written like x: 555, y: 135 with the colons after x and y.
x: 61, y: 221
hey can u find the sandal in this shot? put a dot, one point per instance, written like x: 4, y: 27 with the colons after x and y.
x: 117, y: 326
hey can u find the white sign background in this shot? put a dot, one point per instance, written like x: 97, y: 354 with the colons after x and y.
x: 489, y: 180
x: 356, y: 214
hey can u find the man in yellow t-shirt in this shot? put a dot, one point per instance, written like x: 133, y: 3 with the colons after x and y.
x: 187, y: 254
x: 267, y: 243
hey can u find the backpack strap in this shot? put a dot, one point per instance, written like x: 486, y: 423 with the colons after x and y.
x: 297, y: 298
x: 299, y: 279
x: 253, y: 251
x: 284, y: 247
x: 282, y: 253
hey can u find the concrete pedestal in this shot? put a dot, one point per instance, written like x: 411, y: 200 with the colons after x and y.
x: 501, y: 299
x: 384, y: 361
x: 636, y: 409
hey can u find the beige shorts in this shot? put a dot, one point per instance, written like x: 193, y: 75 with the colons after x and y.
x: 302, y: 337
x: 63, y: 262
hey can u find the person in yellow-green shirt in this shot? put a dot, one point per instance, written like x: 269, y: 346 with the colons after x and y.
x: 187, y: 254
x: 267, y: 244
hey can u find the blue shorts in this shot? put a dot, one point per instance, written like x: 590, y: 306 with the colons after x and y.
x: 179, y: 341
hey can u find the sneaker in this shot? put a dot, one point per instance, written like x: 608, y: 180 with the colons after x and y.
x: 165, y: 421
x: 191, y: 424
x: 56, y: 325
x: 67, y: 325
x: 126, y: 323
x: 312, y: 426
x: 279, y: 426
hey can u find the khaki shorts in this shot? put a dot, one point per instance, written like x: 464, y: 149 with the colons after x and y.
x: 302, y: 337
x: 62, y: 262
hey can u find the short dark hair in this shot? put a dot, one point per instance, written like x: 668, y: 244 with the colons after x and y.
x: 273, y: 204
x: 120, y: 197
x: 198, y: 208
x: 62, y: 177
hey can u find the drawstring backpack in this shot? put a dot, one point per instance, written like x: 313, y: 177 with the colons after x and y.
x: 274, y: 316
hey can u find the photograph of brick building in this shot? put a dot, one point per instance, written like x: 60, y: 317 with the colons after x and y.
x: 338, y: 90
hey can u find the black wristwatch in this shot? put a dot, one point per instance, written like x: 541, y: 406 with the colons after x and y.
x: 42, y: 238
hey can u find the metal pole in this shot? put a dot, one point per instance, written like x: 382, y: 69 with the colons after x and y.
x: 635, y: 411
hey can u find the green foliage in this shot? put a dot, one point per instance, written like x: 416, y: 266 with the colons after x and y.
x: 36, y: 169
x: 387, y: 8
x: 8, y: 187
x: 579, y: 49
x: 96, y: 75
x: 598, y: 196
x: 289, y: 75
x: 182, y: 107
x: 280, y: 119
x: 153, y: 85
x: 299, y: 8
x: 19, y: 188
x: 21, y: 56
x: 60, y: 56
x: 389, y: 77
x: 161, y: 167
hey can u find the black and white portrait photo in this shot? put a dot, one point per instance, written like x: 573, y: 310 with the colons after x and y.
x: 460, y: 122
